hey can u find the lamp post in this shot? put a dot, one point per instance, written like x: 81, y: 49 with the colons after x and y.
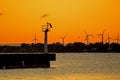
x: 46, y: 29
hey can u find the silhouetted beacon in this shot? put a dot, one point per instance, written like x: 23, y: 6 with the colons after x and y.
x: 42, y: 60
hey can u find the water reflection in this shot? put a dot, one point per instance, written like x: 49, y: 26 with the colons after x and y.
x: 71, y: 67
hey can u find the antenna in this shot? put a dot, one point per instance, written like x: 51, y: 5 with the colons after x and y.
x: 35, y: 39
x: 87, y: 37
x: 46, y: 29
x: 102, y: 36
x: 63, y: 39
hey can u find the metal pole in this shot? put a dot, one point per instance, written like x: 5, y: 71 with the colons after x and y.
x: 45, y: 43
x: 46, y: 30
x: 63, y: 41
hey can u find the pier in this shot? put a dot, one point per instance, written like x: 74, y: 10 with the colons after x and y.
x: 11, y: 61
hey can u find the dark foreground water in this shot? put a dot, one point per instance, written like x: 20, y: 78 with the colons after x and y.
x: 73, y: 66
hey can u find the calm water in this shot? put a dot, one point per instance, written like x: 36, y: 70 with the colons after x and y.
x: 73, y: 66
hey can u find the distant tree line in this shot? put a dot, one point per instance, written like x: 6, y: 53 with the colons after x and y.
x: 58, y: 47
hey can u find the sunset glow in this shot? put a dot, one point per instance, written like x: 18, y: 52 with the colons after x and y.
x: 21, y: 19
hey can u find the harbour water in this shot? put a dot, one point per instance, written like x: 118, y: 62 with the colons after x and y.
x: 71, y: 66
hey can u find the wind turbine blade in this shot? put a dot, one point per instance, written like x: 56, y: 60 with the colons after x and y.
x: 103, y: 31
x: 85, y: 32
x: 85, y: 39
x: 99, y: 35
x: 65, y: 36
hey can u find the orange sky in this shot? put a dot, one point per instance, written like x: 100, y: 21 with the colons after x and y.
x: 21, y: 19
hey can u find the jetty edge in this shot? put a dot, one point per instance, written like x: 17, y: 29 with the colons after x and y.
x: 12, y: 61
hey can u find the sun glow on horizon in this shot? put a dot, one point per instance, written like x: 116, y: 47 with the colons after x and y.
x: 21, y: 19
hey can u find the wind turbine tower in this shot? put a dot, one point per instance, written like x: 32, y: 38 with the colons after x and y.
x: 108, y: 39
x: 46, y: 29
x: 117, y: 39
x: 35, y: 39
x: 63, y: 39
x: 87, y: 37
x: 102, y: 36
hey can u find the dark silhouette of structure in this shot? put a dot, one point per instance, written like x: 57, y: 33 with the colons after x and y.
x: 109, y: 38
x: 46, y: 29
x: 102, y: 36
x: 58, y: 47
x: 63, y: 39
x: 36, y: 60
x: 10, y: 61
x: 35, y: 39
x: 117, y: 39
x: 87, y: 37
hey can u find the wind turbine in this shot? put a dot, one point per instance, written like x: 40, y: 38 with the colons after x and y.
x: 109, y: 38
x: 63, y: 39
x: 117, y: 39
x: 102, y: 36
x: 35, y: 39
x: 87, y: 37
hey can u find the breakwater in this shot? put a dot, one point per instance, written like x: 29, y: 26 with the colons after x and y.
x: 10, y: 61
